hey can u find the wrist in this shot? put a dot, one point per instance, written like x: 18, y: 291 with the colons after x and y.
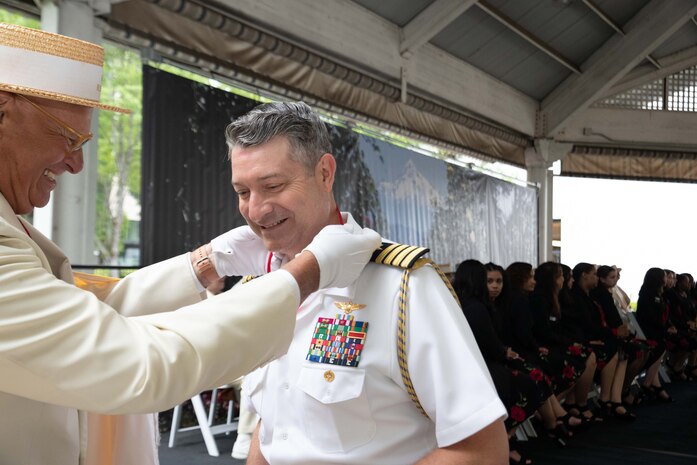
x: 203, y: 265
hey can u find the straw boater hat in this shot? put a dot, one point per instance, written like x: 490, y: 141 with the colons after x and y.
x: 51, y: 66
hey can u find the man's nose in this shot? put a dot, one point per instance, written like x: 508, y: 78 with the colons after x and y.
x: 258, y: 207
x: 74, y: 162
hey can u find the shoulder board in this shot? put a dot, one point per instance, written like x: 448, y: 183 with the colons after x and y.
x: 399, y: 255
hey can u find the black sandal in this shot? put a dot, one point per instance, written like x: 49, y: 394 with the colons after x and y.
x: 691, y: 371
x: 611, y: 409
x: 569, y: 407
x: 515, y: 446
x: 557, y: 435
x: 524, y: 459
x: 637, y: 398
x: 566, y: 421
x: 593, y: 418
x: 657, y: 390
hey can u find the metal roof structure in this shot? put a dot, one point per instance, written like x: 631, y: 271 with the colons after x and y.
x: 491, y: 76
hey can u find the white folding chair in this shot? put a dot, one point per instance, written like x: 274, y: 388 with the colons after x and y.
x: 205, y: 422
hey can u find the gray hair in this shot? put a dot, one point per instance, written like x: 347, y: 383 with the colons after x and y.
x: 306, y: 133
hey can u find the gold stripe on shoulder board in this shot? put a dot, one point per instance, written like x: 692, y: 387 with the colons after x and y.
x: 398, y: 255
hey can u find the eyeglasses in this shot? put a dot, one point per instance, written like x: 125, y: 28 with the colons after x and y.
x: 76, y: 142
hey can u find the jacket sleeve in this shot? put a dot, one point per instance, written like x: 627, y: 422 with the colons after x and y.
x: 61, y: 345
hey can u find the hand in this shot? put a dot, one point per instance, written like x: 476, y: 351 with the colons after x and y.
x: 511, y: 354
x: 238, y: 252
x: 623, y: 331
x: 543, y: 350
x: 342, y: 252
x: 672, y: 330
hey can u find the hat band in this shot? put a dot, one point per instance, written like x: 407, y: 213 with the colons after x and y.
x: 49, y: 73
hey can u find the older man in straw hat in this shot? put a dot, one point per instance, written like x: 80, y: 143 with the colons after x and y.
x: 63, y: 349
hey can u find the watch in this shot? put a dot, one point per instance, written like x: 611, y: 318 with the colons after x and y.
x: 204, y: 267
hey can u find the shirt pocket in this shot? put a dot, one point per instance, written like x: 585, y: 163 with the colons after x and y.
x: 335, y: 411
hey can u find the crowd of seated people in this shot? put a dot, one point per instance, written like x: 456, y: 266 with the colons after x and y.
x: 553, y: 335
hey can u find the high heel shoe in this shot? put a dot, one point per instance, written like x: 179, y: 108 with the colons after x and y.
x: 657, y: 391
x: 677, y: 375
x: 611, y: 410
x: 637, y: 397
x: 557, y: 435
x: 566, y: 421
x: 515, y: 446
x: 592, y: 418
x: 691, y: 372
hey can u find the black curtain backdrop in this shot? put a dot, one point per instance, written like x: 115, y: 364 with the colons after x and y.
x: 187, y: 198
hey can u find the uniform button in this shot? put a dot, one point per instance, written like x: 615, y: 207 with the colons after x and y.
x: 329, y: 376
x: 284, y: 386
x: 284, y: 436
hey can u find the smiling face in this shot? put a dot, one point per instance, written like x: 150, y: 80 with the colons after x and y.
x: 34, y: 149
x: 283, y: 203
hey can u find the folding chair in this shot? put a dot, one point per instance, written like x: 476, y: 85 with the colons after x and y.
x: 205, y: 422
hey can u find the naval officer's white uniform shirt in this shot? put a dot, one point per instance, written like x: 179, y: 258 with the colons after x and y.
x: 319, y: 413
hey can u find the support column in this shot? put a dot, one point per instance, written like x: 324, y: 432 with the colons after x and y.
x: 538, y: 160
x: 69, y: 219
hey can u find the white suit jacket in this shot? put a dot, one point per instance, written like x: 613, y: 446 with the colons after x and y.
x: 62, y: 350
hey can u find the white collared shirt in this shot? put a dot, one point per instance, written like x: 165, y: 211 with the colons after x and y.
x: 363, y: 415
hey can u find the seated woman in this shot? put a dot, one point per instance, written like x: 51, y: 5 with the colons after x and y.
x: 682, y: 346
x: 570, y: 364
x: 585, y: 321
x: 652, y: 316
x: 633, y: 352
x: 514, y: 327
x: 518, y: 391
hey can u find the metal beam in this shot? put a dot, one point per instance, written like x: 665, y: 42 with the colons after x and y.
x: 609, y: 21
x: 657, y: 21
x: 641, y: 75
x: 527, y: 35
x: 429, y: 23
x: 665, y: 130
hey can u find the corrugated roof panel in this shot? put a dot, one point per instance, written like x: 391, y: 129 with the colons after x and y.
x: 526, y: 76
x: 621, y: 11
x: 683, y: 38
x: 480, y: 40
x: 399, y: 12
x: 573, y: 30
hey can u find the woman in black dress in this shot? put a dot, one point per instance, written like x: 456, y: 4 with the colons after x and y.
x: 682, y: 346
x: 632, y: 352
x: 534, y: 359
x: 517, y: 390
x: 571, y: 364
x: 652, y: 315
x: 587, y: 321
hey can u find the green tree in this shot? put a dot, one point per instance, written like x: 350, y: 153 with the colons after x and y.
x: 119, y: 149
x: 18, y: 19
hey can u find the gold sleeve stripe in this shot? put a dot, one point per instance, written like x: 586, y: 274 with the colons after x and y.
x: 390, y: 259
x: 387, y: 248
x: 412, y: 256
x: 398, y: 255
